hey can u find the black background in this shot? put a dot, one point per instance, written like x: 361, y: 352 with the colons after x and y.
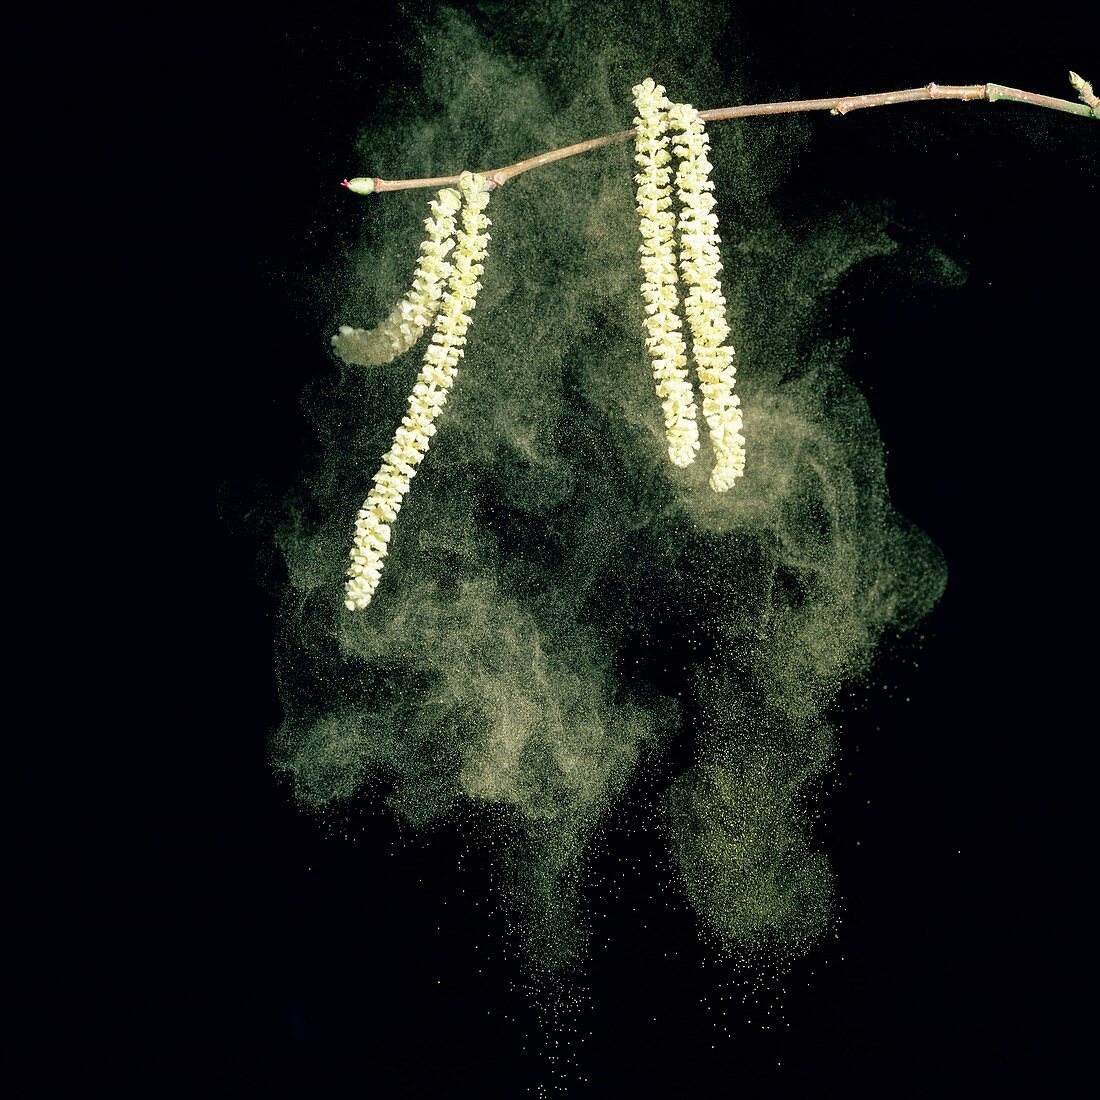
x: 195, y: 935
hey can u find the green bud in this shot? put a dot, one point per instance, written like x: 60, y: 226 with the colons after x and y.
x: 361, y: 185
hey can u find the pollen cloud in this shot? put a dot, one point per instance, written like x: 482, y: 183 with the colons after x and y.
x: 560, y: 602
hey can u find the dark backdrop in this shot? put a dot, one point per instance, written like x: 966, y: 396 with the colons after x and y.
x: 198, y: 936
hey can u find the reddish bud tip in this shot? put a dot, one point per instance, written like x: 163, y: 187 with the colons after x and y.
x: 343, y: 183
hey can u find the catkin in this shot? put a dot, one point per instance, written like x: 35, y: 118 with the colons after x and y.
x: 412, y: 315
x: 704, y: 303
x: 374, y: 522
x: 667, y: 352
x: 660, y: 124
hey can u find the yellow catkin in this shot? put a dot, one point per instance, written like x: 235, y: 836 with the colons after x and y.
x: 412, y: 315
x: 667, y: 351
x: 704, y: 304
x: 373, y: 524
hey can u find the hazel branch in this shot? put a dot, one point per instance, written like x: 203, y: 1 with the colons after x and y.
x: 991, y: 93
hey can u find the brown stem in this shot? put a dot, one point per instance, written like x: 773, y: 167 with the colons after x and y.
x: 836, y: 106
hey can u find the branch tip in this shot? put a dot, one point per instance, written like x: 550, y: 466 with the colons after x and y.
x: 361, y: 185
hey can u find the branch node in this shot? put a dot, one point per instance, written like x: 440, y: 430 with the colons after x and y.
x: 1085, y: 92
